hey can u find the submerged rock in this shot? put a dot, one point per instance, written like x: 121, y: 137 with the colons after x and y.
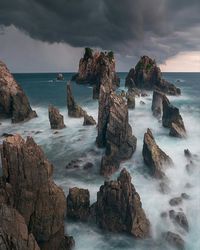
x: 88, y: 120
x: 130, y: 96
x: 154, y: 157
x: 174, y: 240
x: 119, y: 209
x: 74, y: 110
x: 157, y: 103
x: 13, y: 101
x: 175, y: 201
x: 180, y: 219
x: 55, y: 118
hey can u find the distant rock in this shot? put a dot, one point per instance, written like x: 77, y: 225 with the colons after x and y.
x: 142, y: 103
x: 14, y: 103
x: 180, y: 219
x: 154, y: 157
x: 74, y: 110
x: 157, y: 103
x: 55, y: 118
x: 130, y: 96
x: 88, y: 120
x: 174, y: 240
x: 119, y: 209
x: 60, y: 77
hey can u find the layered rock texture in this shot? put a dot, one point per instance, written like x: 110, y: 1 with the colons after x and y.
x: 119, y: 209
x: 154, y: 157
x: 74, y: 110
x: 14, y: 103
x: 55, y: 118
x: 92, y: 66
x: 172, y: 119
x: 33, y: 193
x: 157, y: 103
x: 88, y: 120
x: 147, y: 75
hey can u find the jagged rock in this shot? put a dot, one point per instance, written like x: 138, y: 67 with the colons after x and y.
x: 38, y: 199
x: 185, y: 196
x: 14, y: 232
x: 144, y: 94
x: 157, y: 103
x: 147, y: 75
x: 153, y: 156
x: 78, y: 204
x: 187, y: 153
x: 174, y: 240
x: 55, y: 118
x: 14, y: 103
x: 180, y: 219
x: 119, y: 209
x: 88, y: 120
x: 60, y: 77
x: 172, y: 119
x: 142, y: 103
x: 92, y: 68
x: 74, y: 110
x: 130, y: 96
x: 175, y: 201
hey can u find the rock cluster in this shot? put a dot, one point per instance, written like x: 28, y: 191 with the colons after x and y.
x: 55, y: 118
x: 147, y: 75
x: 14, y: 103
x: 153, y: 156
x: 28, y: 174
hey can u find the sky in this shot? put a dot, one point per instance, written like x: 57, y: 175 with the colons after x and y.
x: 50, y: 36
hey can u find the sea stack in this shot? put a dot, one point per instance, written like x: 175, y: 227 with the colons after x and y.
x: 55, y: 118
x: 14, y: 103
x: 157, y: 103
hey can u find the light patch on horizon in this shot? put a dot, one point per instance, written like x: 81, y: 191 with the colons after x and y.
x: 182, y: 62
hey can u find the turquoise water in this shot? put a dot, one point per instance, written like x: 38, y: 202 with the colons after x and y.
x: 77, y: 141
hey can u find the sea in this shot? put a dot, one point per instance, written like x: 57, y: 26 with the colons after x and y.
x: 78, y: 142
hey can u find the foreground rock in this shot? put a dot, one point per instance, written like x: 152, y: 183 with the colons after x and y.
x: 154, y: 157
x: 119, y: 209
x: 38, y: 199
x: 172, y: 119
x: 174, y: 240
x: 14, y: 103
x: 74, y: 110
x: 92, y: 67
x: 88, y: 120
x: 147, y: 75
x: 55, y: 118
x: 157, y: 103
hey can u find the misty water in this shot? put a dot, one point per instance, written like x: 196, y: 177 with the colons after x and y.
x: 77, y: 141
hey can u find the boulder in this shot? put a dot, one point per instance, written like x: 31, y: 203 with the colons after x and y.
x: 130, y: 96
x: 78, y: 204
x: 74, y: 110
x: 88, y: 120
x: 14, y: 103
x: 188, y: 154
x: 157, y: 103
x: 180, y: 219
x: 35, y: 195
x: 119, y: 209
x: 130, y: 82
x: 175, y: 201
x: 174, y: 240
x: 154, y: 157
x: 55, y: 118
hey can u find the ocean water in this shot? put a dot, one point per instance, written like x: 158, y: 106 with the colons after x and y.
x: 77, y: 141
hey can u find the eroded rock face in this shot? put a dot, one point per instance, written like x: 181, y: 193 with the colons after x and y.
x: 157, y: 103
x: 88, y: 120
x: 154, y: 157
x: 55, y: 118
x: 119, y: 209
x: 13, y: 101
x: 172, y: 119
x: 38, y: 199
x: 74, y: 110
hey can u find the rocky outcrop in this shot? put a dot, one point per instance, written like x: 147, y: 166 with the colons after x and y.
x: 78, y: 204
x: 93, y: 66
x: 147, y: 75
x: 172, y: 119
x: 180, y: 219
x: 119, y: 209
x: 37, y: 198
x: 130, y: 96
x: 154, y: 157
x: 74, y: 110
x: 88, y: 120
x: 55, y: 118
x: 157, y: 103
x: 14, y: 103
x: 174, y: 240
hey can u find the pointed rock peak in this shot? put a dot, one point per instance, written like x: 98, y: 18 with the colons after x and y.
x: 124, y: 176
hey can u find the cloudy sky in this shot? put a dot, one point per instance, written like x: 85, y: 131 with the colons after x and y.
x: 49, y: 35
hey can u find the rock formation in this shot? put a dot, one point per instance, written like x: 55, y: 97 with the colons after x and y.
x: 88, y: 120
x: 153, y: 156
x: 37, y: 198
x: 74, y: 110
x: 174, y: 240
x: 14, y: 103
x: 172, y: 119
x: 78, y: 204
x: 157, y: 103
x: 55, y: 118
x: 91, y: 68
x: 130, y: 96
x: 180, y: 219
x: 119, y: 209
x: 147, y: 75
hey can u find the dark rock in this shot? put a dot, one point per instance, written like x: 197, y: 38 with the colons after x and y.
x: 163, y: 215
x: 185, y: 196
x: 157, y: 103
x: 55, y: 118
x: 13, y: 101
x: 180, y: 219
x: 130, y: 82
x: 73, y: 164
x: 187, y: 153
x: 190, y: 167
x: 119, y: 209
x: 88, y: 165
x: 6, y: 135
x: 123, y: 93
x: 164, y: 187
x: 175, y: 201
x: 130, y: 96
x: 174, y: 240
x: 78, y: 204
x: 60, y: 77
x: 74, y: 110
x: 154, y: 157
x: 88, y: 120
x: 144, y: 94
x: 142, y: 103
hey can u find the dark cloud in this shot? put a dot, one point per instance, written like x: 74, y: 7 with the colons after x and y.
x: 160, y: 28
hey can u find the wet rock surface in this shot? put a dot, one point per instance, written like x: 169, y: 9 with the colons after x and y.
x: 55, y: 118
x: 176, y: 201
x: 130, y: 96
x: 157, y: 103
x: 88, y: 120
x: 174, y: 240
x: 180, y: 219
